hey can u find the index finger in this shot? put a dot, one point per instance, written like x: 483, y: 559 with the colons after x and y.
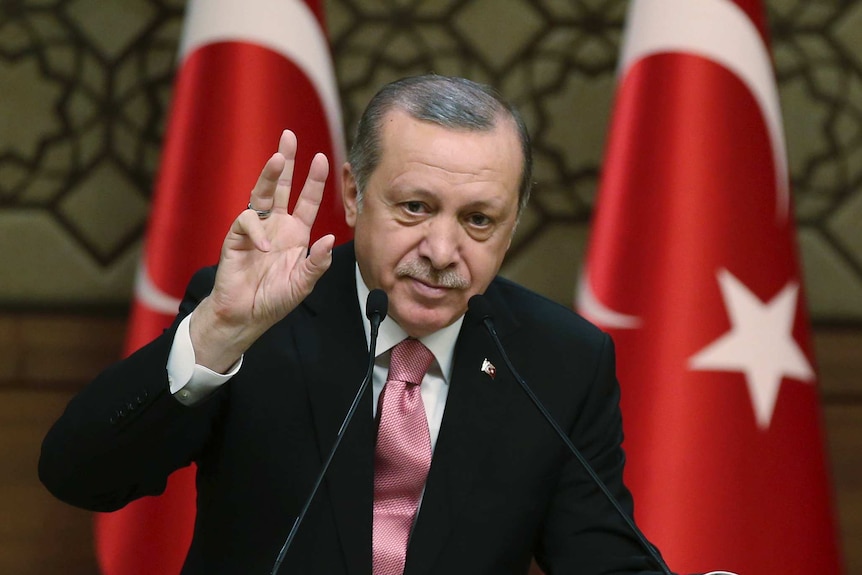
x: 263, y: 193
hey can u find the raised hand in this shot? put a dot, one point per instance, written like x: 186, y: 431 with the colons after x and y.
x: 266, y: 268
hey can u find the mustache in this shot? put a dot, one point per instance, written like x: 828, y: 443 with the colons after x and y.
x: 422, y: 271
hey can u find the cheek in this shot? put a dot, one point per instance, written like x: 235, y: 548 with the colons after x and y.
x: 397, y: 245
x: 386, y: 252
x: 484, y: 263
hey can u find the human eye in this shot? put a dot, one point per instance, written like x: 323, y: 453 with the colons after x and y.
x: 414, y: 207
x: 479, y: 220
x: 480, y: 226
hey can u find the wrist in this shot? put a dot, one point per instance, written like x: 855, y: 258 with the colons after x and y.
x: 217, y: 338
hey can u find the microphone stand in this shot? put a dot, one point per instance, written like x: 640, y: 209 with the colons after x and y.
x: 483, y: 307
x: 376, y: 305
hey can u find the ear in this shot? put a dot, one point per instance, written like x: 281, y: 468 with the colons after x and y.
x: 512, y: 233
x: 348, y: 195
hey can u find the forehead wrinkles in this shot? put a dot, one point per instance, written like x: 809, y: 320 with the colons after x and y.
x: 414, y: 153
x: 422, y: 176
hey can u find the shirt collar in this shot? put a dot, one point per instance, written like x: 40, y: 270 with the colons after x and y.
x: 441, y: 342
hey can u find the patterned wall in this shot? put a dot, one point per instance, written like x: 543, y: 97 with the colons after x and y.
x: 85, y: 84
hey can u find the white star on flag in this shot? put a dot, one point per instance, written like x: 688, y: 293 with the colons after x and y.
x: 760, y: 344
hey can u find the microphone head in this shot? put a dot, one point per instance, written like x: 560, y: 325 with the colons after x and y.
x: 377, y: 304
x: 480, y: 307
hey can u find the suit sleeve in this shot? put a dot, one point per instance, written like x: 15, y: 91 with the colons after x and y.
x: 583, y: 533
x: 123, y: 435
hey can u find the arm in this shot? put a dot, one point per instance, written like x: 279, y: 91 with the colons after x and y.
x: 266, y: 266
x: 122, y: 436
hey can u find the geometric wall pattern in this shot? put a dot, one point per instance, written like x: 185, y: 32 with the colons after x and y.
x: 85, y: 86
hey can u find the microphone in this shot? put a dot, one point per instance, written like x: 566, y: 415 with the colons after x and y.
x: 376, y: 307
x: 481, y: 307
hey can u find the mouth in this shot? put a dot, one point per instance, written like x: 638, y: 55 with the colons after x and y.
x: 426, y: 287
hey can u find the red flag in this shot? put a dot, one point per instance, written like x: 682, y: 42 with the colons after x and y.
x: 248, y: 69
x: 692, y: 267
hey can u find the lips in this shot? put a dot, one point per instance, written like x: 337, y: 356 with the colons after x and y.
x: 425, y: 286
x: 429, y: 284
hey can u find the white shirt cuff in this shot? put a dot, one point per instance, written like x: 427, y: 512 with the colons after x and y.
x: 191, y: 383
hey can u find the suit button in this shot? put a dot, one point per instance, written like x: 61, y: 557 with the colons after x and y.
x: 121, y: 413
x: 140, y: 400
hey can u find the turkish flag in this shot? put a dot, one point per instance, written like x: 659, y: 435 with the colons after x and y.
x: 692, y: 267
x: 247, y: 70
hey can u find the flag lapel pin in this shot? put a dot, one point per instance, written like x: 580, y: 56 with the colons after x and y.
x: 489, y: 368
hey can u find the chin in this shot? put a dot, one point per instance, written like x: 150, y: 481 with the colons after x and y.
x: 419, y: 321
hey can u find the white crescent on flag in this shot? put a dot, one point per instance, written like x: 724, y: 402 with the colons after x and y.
x: 700, y: 28
x: 288, y: 27
x: 150, y: 296
x: 594, y: 310
x: 703, y: 28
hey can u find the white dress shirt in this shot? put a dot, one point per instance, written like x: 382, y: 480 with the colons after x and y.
x: 435, y: 384
x: 190, y: 383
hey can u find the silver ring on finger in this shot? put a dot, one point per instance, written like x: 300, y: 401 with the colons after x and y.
x: 262, y: 214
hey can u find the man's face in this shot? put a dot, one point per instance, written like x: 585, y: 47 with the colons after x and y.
x: 437, y: 217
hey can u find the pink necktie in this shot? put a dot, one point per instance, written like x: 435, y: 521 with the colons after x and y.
x: 402, y: 456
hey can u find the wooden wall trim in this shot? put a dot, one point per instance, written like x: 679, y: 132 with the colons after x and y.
x: 62, y: 352
x: 58, y: 352
x: 45, y: 358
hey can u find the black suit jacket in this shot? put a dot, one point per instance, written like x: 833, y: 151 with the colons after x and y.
x: 501, y: 488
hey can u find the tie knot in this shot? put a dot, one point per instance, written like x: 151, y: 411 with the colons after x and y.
x: 410, y: 360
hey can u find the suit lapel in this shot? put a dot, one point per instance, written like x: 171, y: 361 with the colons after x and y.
x: 335, y: 357
x: 334, y: 350
x: 475, y: 409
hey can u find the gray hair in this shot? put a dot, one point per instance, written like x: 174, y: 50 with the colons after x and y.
x: 450, y: 102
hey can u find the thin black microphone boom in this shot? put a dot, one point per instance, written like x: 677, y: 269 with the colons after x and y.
x: 376, y: 307
x: 481, y: 307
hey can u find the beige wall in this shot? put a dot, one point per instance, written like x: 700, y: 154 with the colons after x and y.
x: 85, y: 89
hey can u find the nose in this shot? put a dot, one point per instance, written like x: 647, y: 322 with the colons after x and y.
x: 441, y: 244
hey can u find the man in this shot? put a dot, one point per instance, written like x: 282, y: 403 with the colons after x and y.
x: 435, y: 184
